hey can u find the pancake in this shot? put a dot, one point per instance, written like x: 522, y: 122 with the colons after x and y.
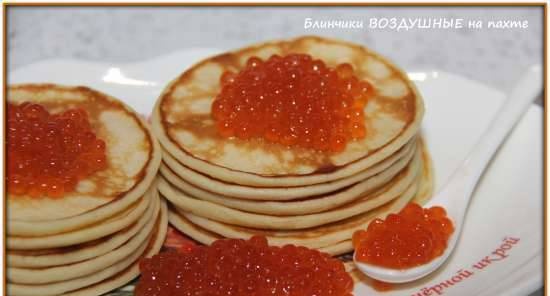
x: 304, y: 206
x: 70, y: 271
x: 317, y: 237
x: 334, y: 238
x: 106, y: 227
x: 75, y: 253
x: 77, y: 283
x: 338, y: 248
x: 391, y: 165
x: 288, y: 236
x: 131, y: 272
x: 236, y: 217
x: 312, y: 204
x: 108, y: 278
x: 133, y: 157
x: 427, y: 185
x: 182, y: 122
x: 197, y: 233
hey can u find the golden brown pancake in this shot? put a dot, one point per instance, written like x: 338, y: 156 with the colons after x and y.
x: 309, y: 205
x: 131, y: 272
x: 75, y: 253
x: 213, y: 211
x: 108, y: 226
x: 388, y: 167
x: 183, y: 124
x: 78, y: 269
x: 133, y: 157
x: 333, y: 238
x: 42, y: 258
x: 106, y: 279
x: 206, y: 230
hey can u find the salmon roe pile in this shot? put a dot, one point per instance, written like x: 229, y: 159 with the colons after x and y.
x: 293, y: 100
x: 240, y: 267
x: 49, y: 153
x: 410, y: 238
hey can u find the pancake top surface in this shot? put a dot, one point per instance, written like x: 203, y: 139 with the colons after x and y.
x: 184, y: 110
x: 129, y: 149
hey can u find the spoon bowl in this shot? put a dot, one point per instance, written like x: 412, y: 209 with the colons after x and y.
x: 456, y: 194
x: 407, y: 275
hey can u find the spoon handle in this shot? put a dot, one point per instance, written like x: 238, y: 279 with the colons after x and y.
x: 465, y: 178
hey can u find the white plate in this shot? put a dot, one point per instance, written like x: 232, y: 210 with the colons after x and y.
x: 507, y: 203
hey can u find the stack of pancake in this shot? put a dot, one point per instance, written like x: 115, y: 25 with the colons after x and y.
x: 227, y: 187
x: 88, y: 241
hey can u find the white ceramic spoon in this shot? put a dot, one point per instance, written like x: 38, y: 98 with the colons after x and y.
x: 456, y: 194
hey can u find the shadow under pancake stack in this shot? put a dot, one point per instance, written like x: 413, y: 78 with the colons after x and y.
x: 220, y: 187
x: 89, y: 240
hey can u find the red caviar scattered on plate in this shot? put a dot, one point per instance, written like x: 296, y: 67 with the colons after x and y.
x: 49, y: 153
x: 410, y: 238
x: 293, y: 100
x: 243, y: 267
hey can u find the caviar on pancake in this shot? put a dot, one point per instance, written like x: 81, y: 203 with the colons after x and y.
x: 49, y: 153
x: 410, y: 238
x: 293, y: 100
x: 243, y: 267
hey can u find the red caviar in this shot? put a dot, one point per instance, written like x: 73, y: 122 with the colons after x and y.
x: 293, y: 100
x: 49, y: 153
x: 410, y: 238
x: 240, y: 267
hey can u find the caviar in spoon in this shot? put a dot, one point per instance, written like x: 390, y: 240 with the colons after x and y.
x: 456, y: 194
x: 410, y: 238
